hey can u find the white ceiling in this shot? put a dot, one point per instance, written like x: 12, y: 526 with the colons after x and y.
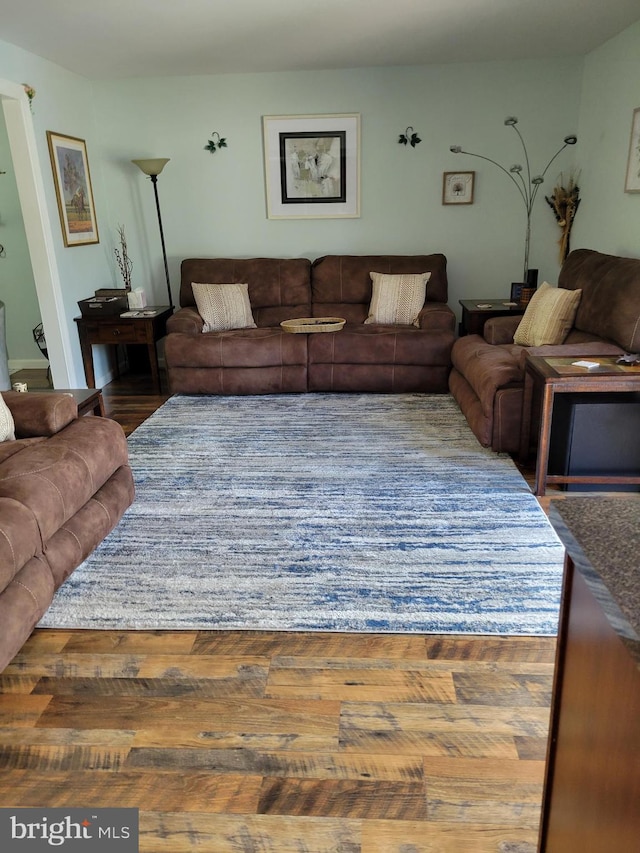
x: 134, y: 38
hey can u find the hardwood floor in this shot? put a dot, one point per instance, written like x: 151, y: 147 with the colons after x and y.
x: 256, y: 742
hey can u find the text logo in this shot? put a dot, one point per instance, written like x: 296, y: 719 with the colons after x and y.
x: 74, y: 830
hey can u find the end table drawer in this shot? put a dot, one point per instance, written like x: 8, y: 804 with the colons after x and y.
x: 124, y: 333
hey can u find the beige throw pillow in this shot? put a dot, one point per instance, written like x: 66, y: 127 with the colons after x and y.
x: 223, y: 306
x: 397, y: 299
x: 549, y: 316
x: 7, y: 426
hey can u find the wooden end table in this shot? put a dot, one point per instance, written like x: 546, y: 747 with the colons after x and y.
x: 86, y: 399
x: 145, y: 330
x: 554, y: 375
x: 476, y: 312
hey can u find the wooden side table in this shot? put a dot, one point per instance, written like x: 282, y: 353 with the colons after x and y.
x: 87, y: 400
x: 114, y: 330
x: 550, y: 376
x: 474, y: 316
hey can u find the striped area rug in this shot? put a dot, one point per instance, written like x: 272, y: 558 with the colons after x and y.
x: 320, y: 512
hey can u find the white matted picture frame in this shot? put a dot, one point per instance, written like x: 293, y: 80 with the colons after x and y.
x: 312, y: 166
x: 457, y: 187
x: 632, y: 181
x: 74, y: 194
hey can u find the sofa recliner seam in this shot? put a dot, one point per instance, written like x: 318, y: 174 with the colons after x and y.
x: 13, y: 553
x: 30, y: 591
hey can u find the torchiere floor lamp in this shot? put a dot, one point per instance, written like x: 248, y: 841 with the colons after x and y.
x: 153, y: 167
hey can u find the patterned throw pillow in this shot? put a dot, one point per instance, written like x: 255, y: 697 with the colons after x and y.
x: 223, y: 306
x: 549, y: 316
x: 397, y: 299
x: 7, y: 426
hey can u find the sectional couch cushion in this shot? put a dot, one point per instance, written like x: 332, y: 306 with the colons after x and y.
x: 278, y: 287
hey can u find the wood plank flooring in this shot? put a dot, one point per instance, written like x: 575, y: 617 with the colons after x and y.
x: 257, y: 742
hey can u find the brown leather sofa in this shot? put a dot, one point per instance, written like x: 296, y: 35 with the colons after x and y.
x: 487, y: 376
x: 267, y: 359
x: 64, y: 484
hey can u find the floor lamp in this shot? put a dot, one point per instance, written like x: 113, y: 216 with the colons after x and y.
x: 152, y: 168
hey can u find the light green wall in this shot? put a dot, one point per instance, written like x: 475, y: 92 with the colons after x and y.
x: 609, y: 218
x: 17, y: 288
x: 64, y: 104
x: 215, y: 204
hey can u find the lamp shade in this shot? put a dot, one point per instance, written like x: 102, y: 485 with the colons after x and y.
x: 152, y: 166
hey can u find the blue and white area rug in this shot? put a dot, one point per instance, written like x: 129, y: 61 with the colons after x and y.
x: 319, y: 512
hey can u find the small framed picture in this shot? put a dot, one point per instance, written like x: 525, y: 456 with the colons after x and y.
x: 73, y: 189
x: 457, y: 187
x: 632, y: 182
x: 516, y: 291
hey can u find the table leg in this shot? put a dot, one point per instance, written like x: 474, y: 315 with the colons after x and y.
x: 98, y: 408
x: 525, y: 422
x: 87, y: 358
x: 153, y: 361
x: 544, y: 442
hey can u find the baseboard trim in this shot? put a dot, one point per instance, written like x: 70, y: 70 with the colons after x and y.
x: 16, y: 364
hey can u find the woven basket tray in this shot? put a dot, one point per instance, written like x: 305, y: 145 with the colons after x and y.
x: 313, y: 324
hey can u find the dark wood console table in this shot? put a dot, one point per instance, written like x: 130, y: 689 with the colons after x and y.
x: 114, y: 330
x: 474, y: 317
x: 592, y: 787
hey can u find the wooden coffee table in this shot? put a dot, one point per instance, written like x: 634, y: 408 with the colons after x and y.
x: 553, y: 375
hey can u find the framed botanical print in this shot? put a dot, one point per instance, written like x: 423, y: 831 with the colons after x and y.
x: 312, y: 167
x: 457, y: 187
x: 632, y: 181
x: 73, y: 189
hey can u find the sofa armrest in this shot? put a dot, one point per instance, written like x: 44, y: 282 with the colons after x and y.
x: 187, y: 321
x: 500, y: 330
x: 437, y: 317
x: 40, y: 414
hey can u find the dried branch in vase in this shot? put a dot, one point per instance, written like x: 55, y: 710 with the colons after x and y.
x: 122, y: 257
x: 565, y: 202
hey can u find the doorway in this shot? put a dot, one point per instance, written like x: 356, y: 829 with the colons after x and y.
x: 26, y: 165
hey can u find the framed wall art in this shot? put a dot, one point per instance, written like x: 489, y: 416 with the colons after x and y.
x: 457, y: 187
x: 73, y: 189
x: 312, y: 166
x: 632, y: 182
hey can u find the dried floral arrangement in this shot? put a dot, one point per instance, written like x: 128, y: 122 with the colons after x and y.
x: 565, y: 202
x: 122, y: 257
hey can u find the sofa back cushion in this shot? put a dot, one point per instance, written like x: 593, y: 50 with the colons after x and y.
x: 610, y: 303
x: 279, y: 288
x: 341, y: 284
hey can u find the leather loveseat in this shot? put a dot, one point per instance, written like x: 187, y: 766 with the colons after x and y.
x: 64, y: 484
x: 266, y: 359
x: 487, y: 377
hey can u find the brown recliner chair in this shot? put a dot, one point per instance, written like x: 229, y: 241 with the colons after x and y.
x: 64, y: 484
x: 487, y: 376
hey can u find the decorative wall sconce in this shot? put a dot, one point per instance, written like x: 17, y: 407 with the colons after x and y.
x: 215, y: 143
x: 409, y: 137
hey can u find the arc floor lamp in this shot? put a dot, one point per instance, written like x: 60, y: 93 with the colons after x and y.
x: 153, y: 167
